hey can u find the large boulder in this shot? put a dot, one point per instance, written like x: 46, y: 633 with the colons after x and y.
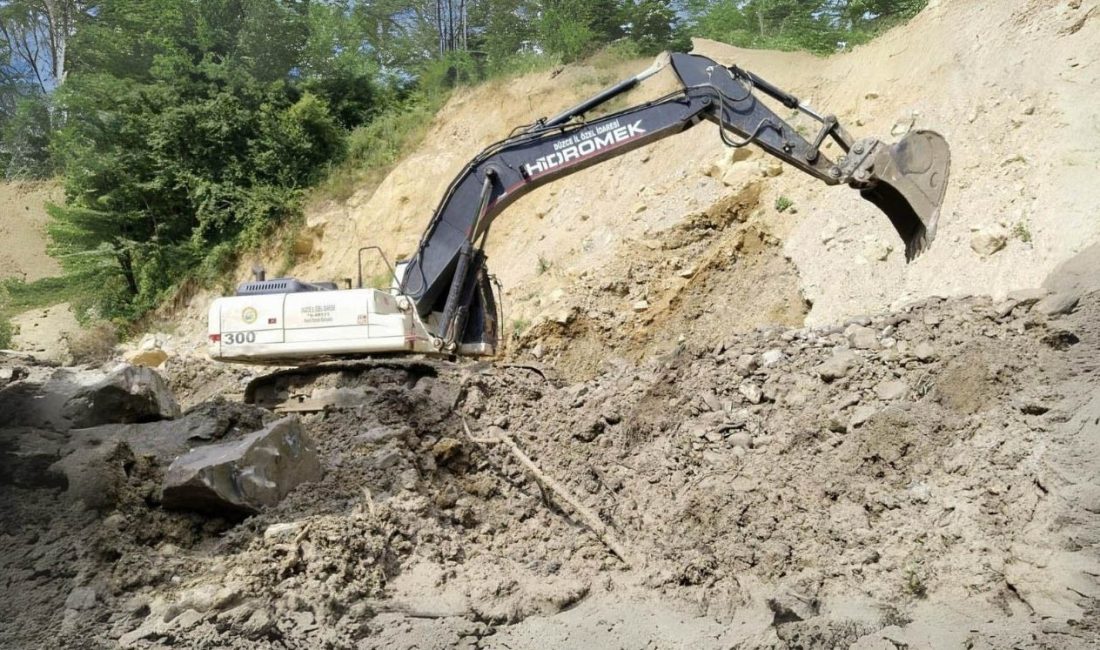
x: 246, y: 475
x: 78, y: 398
x: 92, y: 463
x: 25, y: 456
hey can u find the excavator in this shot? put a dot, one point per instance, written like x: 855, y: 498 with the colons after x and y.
x: 441, y: 302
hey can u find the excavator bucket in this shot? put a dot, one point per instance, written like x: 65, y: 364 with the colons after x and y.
x: 907, y: 181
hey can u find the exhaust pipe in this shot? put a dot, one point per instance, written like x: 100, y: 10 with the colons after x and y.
x: 907, y: 180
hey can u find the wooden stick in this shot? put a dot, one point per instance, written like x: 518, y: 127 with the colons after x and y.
x: 598, y: 527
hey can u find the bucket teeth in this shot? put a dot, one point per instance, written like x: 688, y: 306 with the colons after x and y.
x: 907, y: 180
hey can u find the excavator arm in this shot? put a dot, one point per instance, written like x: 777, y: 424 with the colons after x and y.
x: 446, y: 276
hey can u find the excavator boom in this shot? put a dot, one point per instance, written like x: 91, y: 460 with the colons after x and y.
x: 443, y: 301
x: 905, y: 180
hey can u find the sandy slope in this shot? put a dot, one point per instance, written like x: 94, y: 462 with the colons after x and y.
x: 1010, y: 84
x: 23, y: 230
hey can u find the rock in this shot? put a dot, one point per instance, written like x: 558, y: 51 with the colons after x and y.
x: 164, y: 440
x: 877, y: 250
x: 742, y: 174
x: 316, y: 224
x: 447, y: 450
x: 1027, y: 297
x: 590, y: 432
x: 376, y: 435
x: 639, y: 208
x: 988, y: 242
x: 81, y: 598
x: 243, y: 476
x: 924, y: 351
x: 25, y: 456
x: 1061, y: 339
x: 902, y: 126
x: 838, y: 366
x: 741, y: 439
x: 1057, y: 304
x: 78, y: 398
x: 148, y: 358
x: 746, y: 365
x: 96, y: 475
x: 771, y: 357
x: 385, y: 458
x: 891, y: 390
x: 711, y: 400
x: 791, y: 608
x: 10, y: 374
x: 640, y: 305
x: 283, y: 532
x: 538, y: 351
x: 861, y: 414
x: 751, y: 392
x: 772, y: 168
x: 861, y: 338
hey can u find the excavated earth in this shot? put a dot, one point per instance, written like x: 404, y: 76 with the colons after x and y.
x: 922, y: 479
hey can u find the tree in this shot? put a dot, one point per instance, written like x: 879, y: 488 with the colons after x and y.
x: 654, y: 26
x: 817, y: 25
x: 186, y: 138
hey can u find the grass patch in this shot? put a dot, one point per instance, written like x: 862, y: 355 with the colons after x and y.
x: 542, y: 265
x: 519, y: 326
x: 7, y: 331
x: 17, y: 296
x: 375, y: 148
x: 783, y: 204
x: 1022, y: 232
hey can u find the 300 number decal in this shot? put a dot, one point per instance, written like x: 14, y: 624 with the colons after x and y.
x: 237, y: 338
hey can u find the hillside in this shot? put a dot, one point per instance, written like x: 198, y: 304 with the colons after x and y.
x: 23, y: 256
x: 1009, y: 85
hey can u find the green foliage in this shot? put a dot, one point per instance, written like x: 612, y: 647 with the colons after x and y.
x: 172, y: 167
x: 519, y: 326
x: 820, y: 26
x: 373, y: 148
x: 565, y: 28
x: 25, y: 140
x: 7, y: 332
x: 655, y: 27
x: 783, y: 203
x: 1022, y: 232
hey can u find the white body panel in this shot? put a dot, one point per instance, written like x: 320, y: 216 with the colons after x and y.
x: 311, y: 324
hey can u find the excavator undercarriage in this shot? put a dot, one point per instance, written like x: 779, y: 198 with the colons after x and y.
x: 442, y: 301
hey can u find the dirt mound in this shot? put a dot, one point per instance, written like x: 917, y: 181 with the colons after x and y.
x: 783, y: 488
